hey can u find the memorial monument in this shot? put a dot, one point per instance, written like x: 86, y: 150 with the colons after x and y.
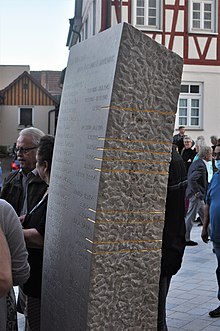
x: 108, y: 184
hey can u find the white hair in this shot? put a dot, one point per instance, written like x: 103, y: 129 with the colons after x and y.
x: 35, y: 133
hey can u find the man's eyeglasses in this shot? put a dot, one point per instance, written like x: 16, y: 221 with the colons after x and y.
x: 216, y: 155
x: 23, y: 150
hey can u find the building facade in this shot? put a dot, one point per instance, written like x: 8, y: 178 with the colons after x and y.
x: 188, y: 27
x: 24, y: 102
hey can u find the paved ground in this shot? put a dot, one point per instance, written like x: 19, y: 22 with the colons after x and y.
x: 193, y: 291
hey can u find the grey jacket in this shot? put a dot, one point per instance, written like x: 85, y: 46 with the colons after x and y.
x: 12, y: 229
x: 197, y: 180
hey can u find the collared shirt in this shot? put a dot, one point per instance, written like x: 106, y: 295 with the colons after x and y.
x: 209, y: 168
x: 25, y: 181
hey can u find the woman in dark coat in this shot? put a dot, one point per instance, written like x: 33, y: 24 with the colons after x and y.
x: 188, y: 153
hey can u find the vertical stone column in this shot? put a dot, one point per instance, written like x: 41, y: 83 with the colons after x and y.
x: 108, y: 187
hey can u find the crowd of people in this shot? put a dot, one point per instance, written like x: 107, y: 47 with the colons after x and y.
x: 193, y: 189
x: 23, y: 207
x: 202, y: 163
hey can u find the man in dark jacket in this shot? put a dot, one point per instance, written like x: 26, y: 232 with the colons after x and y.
x: 24, y: 188
x: 173, y: 243
x: 196, y: 190
x: 178, y: 138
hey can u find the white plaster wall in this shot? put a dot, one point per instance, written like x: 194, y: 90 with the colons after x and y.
x: 98, y: 15
x: 125, y: 14
x: 193, y: 53
x: 9, y: 122
x: 211, y: 55
x: 168, y: 20
x: 114, y: 18
x: 210, y: 77
x: 178, y: 45
x: 41, y: 117
x: 180, y: 21
x: 8, y: 73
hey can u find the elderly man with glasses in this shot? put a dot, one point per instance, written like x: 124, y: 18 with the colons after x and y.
x: 212, y: 218
x: 24, y: 188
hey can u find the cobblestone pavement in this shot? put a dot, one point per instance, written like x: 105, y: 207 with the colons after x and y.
x: 193, y: 291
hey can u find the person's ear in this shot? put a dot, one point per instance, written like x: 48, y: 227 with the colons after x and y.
x: 45, y: 164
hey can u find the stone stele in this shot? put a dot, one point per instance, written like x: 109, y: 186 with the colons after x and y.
x: 108, y: 184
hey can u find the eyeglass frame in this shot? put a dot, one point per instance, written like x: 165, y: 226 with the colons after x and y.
x: 24, y: 150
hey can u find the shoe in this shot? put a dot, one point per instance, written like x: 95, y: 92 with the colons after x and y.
x: 191, y: 243
x: 215, y: 312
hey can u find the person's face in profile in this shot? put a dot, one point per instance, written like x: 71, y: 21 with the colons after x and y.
x: 26, y: 153
x: 42, y: 167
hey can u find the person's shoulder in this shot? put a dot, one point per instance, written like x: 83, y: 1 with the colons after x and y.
x: 37, y: 179
x: 3, y: 203
x: 198, y: 161
x: 199, y: 165
x: 5, y: 206
x: 216, y: 176
x: 12, y: 176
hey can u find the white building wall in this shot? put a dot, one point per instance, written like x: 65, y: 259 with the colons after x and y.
x: 210, y: 77
x: 9, y: 122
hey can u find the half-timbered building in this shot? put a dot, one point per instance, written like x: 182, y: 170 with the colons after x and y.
x: 25, y: 102
x: 188, y: 27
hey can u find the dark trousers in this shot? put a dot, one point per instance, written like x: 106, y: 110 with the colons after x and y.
x: 164, y: 285
x: 216, y: 246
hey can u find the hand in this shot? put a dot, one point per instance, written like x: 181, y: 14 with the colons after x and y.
x: 21, y: 218
x: 205, y: 235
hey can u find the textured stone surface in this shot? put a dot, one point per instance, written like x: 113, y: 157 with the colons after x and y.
x: 108, y: 186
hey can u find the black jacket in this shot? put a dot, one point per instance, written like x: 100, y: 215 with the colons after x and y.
x: 173, y: 243
x: 35, y: 219
x: 13, y: 193
x: 188, y: 155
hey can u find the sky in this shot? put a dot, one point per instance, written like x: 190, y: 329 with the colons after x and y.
x: 34, y: 33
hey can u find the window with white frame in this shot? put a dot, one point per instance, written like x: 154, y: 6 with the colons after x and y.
x: 25, y: 117
x: 203, y: 15
x: 190, y: 105
x: 147, y: 13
